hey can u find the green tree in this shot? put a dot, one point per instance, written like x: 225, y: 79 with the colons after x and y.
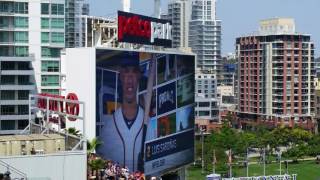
x: 73, y: 131
x: 92, y: 145
x: 96, y: 164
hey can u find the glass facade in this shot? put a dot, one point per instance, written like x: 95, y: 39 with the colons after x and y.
x: 21, y: 51
x: 50, y: 80
x: 45, y: 8
x: 50, y: 66
x: 4, y: 36
x: 21, y: 7
x: 57, y: 37
x: 21, y: 22
x: 4, y: 22
x: 44, y: 37
x: 50, y: 91
x: 57, y: 9
x: 57, y: 23
x: 45, y: 23
x: 21, y: 37
x: 48, y: 52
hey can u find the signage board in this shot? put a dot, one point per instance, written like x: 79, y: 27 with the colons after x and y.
x: 134, y: 28
x: 145, y: 109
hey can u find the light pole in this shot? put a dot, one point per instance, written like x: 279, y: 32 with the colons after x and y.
x: 214, y: 162
x: 280, y: 161
x: 264, y: 161
x: 202, y: 160
x: 230, y: 163
x: 247, y: 162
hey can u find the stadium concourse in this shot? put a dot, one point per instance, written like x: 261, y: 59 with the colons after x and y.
x: 110, y: 170
x: 5, y: 176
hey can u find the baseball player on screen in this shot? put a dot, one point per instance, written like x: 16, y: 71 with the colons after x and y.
x: 123, y: 136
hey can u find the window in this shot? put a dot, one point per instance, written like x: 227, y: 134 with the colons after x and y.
x: 50, y: 80
x: 57, y: 37
x: 7, y: 110
x: 23, y: 109
x: 44, y: 23
x: 8, y: 125
x: 57, y: 23
x: 7, y: 65
x: 21, y: 37
x: 4, y: 22
x: 204, y: 113
x: 23, y: 95
x: 21, y: 51
x: 4, y: 37
x: 6, y: 7
x: 4, y: 51
x: 50, y: 66
x: 50, y: 91
x: 24, y: 66
x: 44, y: 37
x: 7, y: 95
x: 50, y: 52
x: 21, y: 22
x: 22, y: 124
x: 23, y: 80
x: 21, y: 7
x: 57, y: 9
x: 204, y: 104
x: 44, y: 8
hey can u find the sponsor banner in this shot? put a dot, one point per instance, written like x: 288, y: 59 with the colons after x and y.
x: 271, y: 177
x: 169, y: 145
x: 162, y: 164
x: 166, y: 98
x: 134, y: 28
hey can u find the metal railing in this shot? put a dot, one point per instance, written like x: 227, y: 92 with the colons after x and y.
x: 15, y: 173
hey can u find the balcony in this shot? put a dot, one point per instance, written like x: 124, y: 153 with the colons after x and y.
x: 14, y: 117
x: 17, y: 72
x: 17, y: 87
x: 14, y: 102
x: 11, y: 57
x: 10, y: 131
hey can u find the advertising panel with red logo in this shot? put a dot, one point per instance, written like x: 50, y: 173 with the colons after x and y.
x: 134, y: 28
x: 145, y: 109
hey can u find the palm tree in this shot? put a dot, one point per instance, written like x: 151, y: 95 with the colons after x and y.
x: 93, y: 144
x: 73, y: 131
x: 94, y: 166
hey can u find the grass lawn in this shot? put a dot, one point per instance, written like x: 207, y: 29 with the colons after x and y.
x: 307, y: 170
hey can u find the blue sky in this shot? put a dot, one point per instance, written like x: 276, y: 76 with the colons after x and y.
x: 239, y: 17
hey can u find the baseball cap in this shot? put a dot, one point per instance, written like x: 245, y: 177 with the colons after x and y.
x: 129, y: 59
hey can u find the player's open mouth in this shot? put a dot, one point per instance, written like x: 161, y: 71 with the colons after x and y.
x: 129, y: 89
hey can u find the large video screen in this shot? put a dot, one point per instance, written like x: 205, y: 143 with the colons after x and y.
x: 145, y: 109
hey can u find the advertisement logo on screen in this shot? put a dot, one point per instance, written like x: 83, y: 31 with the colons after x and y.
x: 59, y: 104
x: 134, y: 28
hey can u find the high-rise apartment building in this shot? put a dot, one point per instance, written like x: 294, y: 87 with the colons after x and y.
x: 205, y: 41
x: 206, y: 97
x: 75, y: 28
x: 205, y: 35
x: 32, y: 34
x: 16, y: 72
x: 179, y: 15
x: 275, y: 75
x: 49, y: 17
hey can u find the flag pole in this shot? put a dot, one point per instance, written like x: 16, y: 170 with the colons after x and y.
x: 230, y: 161
x: 214, y: 162
x: 247, y: 163
x: 264, y: 161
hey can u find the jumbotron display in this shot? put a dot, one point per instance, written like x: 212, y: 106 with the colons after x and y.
x: 145, y: 109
